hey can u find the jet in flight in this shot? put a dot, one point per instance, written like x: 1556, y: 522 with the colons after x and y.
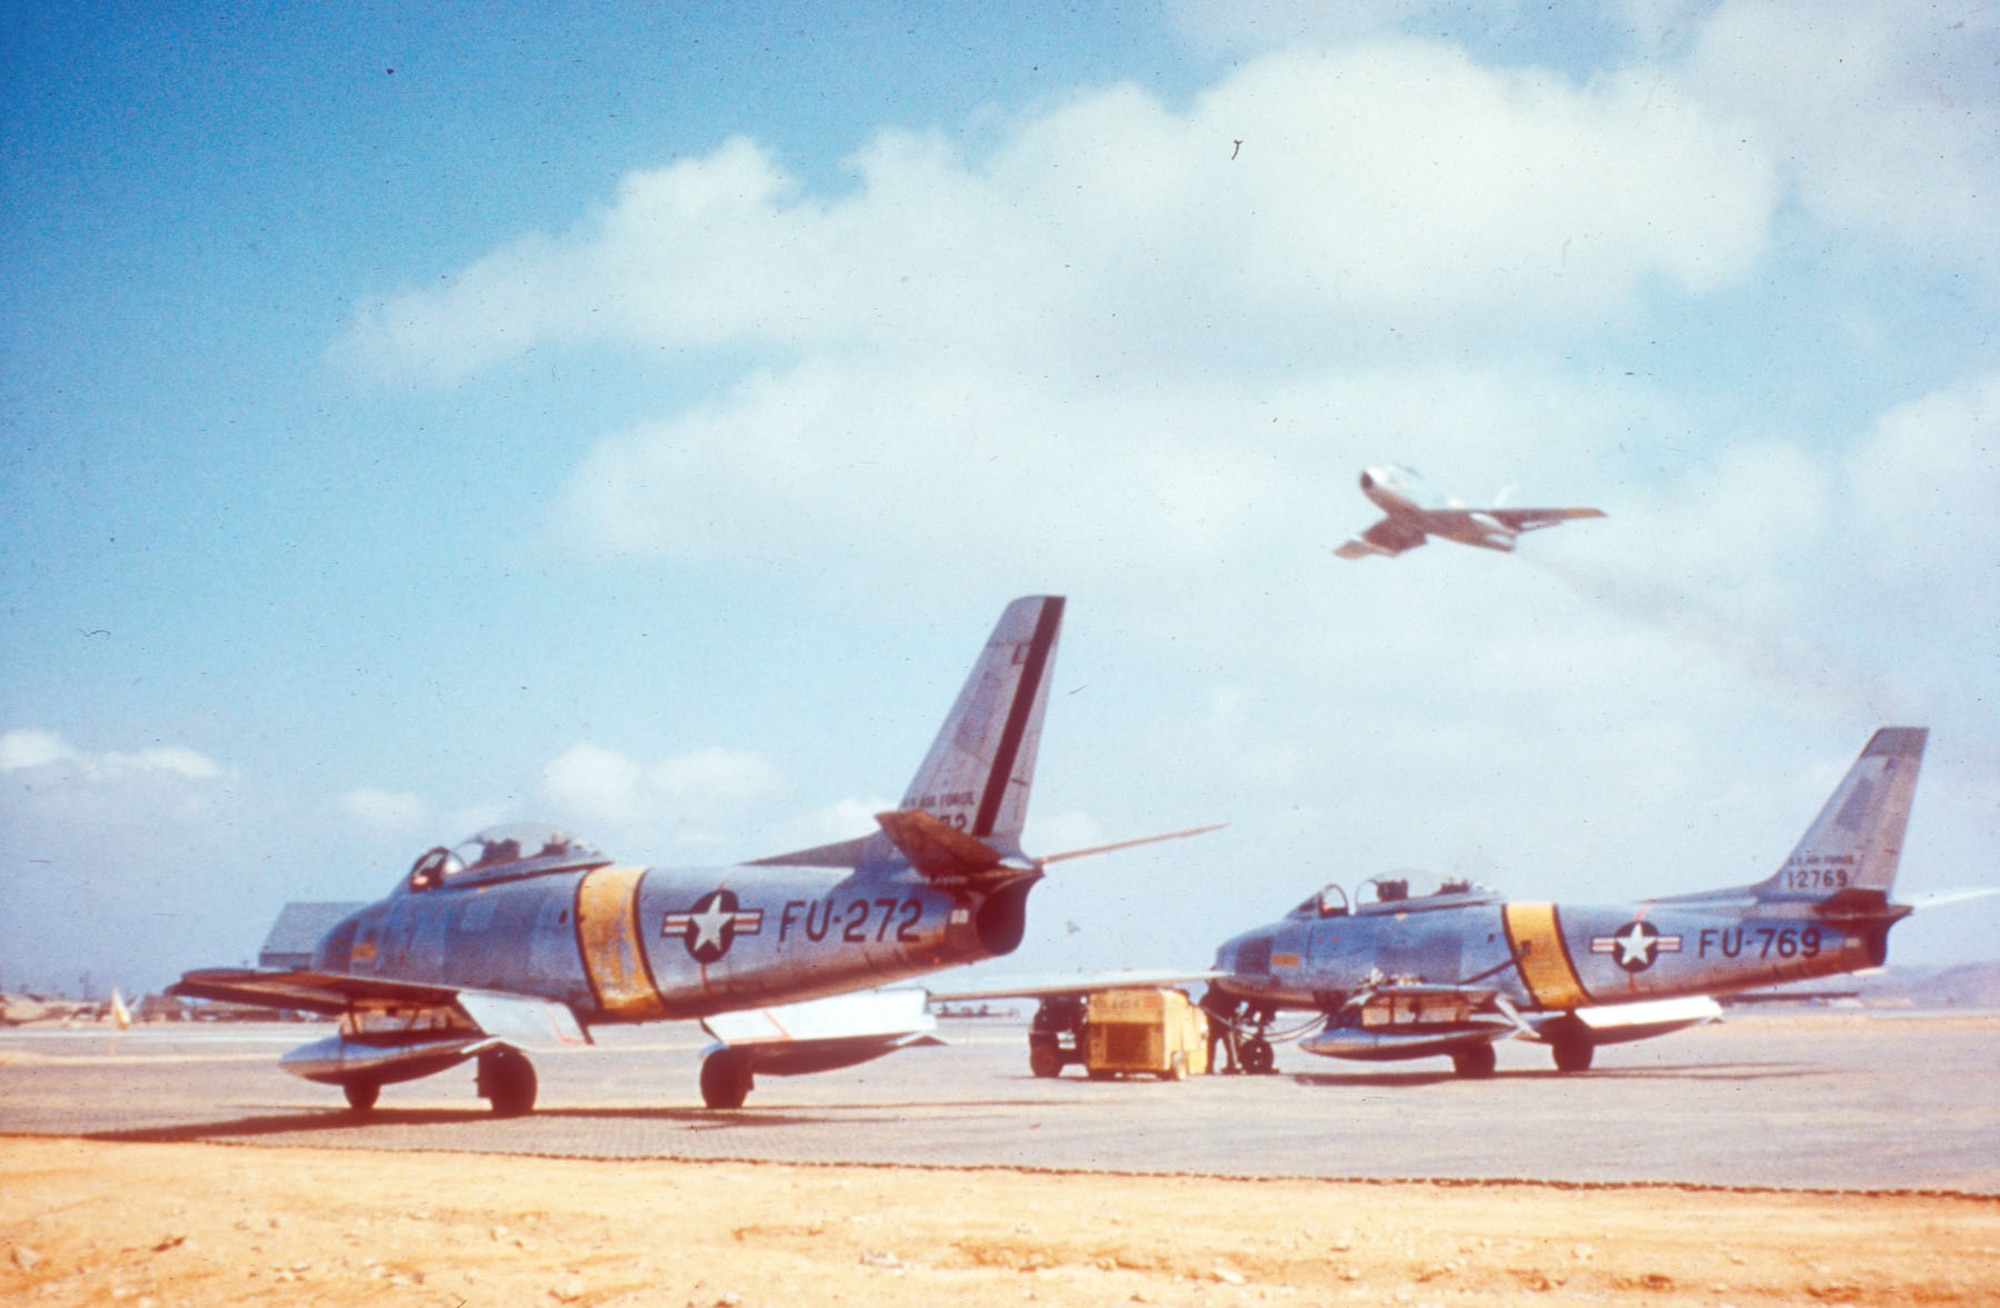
x: 1392, y: 975
x: 523, y: 937
x: 1414, y: 517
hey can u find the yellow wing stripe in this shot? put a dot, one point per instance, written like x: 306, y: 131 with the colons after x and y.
x: 1542, y: 957
x: 607, y: 930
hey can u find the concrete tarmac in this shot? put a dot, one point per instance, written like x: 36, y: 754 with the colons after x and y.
x: 1820, y: 1101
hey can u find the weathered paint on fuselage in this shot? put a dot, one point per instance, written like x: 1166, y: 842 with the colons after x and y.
x: 620, y: 944
x: 1542, y: 956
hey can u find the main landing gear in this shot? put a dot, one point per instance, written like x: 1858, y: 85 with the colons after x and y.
x: 507, y: 1081
x: 726, y: 1078
x: 1474, y: 1060
x: 361, y: 1095
x: 1570, y: 1041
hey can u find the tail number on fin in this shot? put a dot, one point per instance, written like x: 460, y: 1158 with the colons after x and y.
x: 1817, y: 872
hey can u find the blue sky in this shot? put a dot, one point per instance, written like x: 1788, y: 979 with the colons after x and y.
x: 417, y: 416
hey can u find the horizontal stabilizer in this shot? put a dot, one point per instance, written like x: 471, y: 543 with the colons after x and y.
x: 821, y: 1035
x: 938, y: 849
x: 1940, y: 898
x: 1043, y: 987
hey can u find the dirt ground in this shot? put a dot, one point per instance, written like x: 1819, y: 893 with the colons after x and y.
x: 91, y: 1223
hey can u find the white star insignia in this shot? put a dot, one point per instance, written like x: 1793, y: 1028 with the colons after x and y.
x: 708, y: 926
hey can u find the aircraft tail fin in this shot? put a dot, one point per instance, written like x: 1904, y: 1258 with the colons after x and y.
x: 965, y: 808
x: 980, y: 768
x: 1856, y: 841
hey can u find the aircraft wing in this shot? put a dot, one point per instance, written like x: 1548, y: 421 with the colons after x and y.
x: 306, y: 992
x: 1530, y: 519
x: 525, y: 1020
x: 1388, y: 538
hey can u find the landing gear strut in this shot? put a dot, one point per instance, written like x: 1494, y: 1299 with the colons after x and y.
x: 507, y: 1081
x: 726, y: 1078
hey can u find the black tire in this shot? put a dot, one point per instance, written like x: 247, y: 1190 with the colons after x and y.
x: 1256, y: 1058
x: 1044, y: 1060
x: 507, y: 1081
x: 1475, y: 1060
x: 726, y: 1078
x: 1101, y: 1073
x: 1573, y: 1052
x: 361, y: 1095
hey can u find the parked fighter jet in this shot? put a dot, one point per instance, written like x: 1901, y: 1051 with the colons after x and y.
x: 1414, y: 518
x: 522, y: 937
x: 1399, y: 976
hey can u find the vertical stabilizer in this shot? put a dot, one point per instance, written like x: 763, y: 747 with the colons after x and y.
x: 978, y: 772
x: 1857, y: 839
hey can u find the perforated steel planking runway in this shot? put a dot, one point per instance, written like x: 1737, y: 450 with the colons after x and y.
x: 1810, y: 1101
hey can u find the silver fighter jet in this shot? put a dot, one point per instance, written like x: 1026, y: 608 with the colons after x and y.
x: 1415, y: 517
x: 523, y: 937
x: 1395, y: 975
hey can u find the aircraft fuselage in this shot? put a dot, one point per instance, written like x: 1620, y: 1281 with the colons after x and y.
x: 625, y: 944
x: 1548, y: 957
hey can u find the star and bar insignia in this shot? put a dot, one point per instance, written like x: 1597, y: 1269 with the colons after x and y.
x: 712, y: 925
x: 1636, y: 945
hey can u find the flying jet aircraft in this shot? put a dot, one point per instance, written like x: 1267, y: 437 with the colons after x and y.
x: 1398, y: 976
x: 522, y: 937
x: 1415, y: 517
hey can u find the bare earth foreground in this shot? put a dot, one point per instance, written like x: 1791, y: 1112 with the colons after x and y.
x: 95, y: 1222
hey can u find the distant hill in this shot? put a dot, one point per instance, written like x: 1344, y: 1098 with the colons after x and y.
x: 1968, y: 985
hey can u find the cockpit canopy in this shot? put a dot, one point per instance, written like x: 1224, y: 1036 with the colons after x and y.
x: 502, y: 853
x: 1391, y: 894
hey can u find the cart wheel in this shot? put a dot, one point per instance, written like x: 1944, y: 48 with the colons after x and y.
x: 1101, y: 1073
x: 1045, y: 1060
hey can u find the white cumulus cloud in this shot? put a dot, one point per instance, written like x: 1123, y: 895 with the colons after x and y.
x: 385, y: 810
x: 593, y: 784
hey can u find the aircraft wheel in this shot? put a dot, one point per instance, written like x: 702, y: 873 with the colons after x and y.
x: 507, y: 1081
x: 1475, y: 1060
x: 726, y: 1079
x: 1256, y: 1057
x: 361, y: 1095
x: 1045, y: 1060
x: 1573, y: 1053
